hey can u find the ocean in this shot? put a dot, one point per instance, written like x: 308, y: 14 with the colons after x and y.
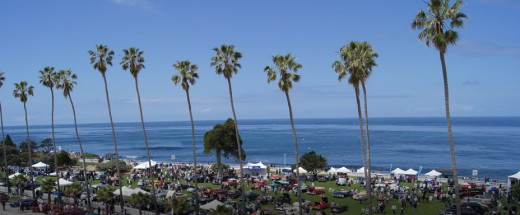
x: 486, y: 144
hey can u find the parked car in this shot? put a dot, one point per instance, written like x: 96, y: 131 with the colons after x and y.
x: 342, y: 193
x: 232, y: 182
x: 285, y: 198
x: 478, y: 207
x: 321, y: 205
x: 481, y: 199
x: 315, y: 190
x: 26, y: 203
x: 361, y: 196
x: 322, y: 178
x: 338, y: 208
x: 250, y: 195
x: 341, y: 181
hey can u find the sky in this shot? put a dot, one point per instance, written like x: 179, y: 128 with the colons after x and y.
x: 407, y: 82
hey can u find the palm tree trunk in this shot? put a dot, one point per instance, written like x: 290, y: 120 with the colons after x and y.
x: 219, y: 162
x: 154, y: 199
x: 239, y: 147
x: 55, y: 151
x: 194, y: 154
x: 29, y: 147
x: 450, y: 133
x: 369, y: 185
x: 118, y: 169
x: 89, y: 207
x: 362, y: 137
x: 298, y: 188
x: 6, y: 168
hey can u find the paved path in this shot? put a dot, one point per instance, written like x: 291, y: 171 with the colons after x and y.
x: 11, y: 210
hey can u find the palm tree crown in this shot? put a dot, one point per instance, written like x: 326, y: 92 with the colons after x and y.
x: 433, y: 23
x: 226, y: 60
x: 133, y: 61
x: 66, y: 81
x: 188, y: 74
x: 48, y: 77
x: 22, y: 91
x: 285, y: 64
x: 357, y: 60
x: 101, y: 58
x: 2, y: 79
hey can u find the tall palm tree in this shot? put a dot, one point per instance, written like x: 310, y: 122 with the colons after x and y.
x: 48, y: 78
x: 106, y: 195
x: 100, y: 58
x: 437, y: 26
x: 2, y: 79
x: 74, y: 190
x: 48, y: 187
x: 285, y: 64
x: 226, y: 63
x: 22, y: 92
x: 18, y: 180
x: 67, y: 82
x: 139, y: 200
x: 134, y: 62
x: 188, y: 75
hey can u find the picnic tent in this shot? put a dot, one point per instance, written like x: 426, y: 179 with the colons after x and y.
x: 511, y: 180
x: 343, y: 170
x: 433, y: 173
x: 40, y: 165
x: 332, y: 170
x: 64, y: 182
x: 255, y: 168
x: 139, y: 190
x: 145, y: 165
x: 302, y: 170
x: 410, y: 172
x: 361, y: 170
x: 398, y: 171
x: 127, y: 191
x: 212, y: 205
x: 14, y: 175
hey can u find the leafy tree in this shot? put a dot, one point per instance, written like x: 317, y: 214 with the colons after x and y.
x: 2, y: 79
x: 111, y: 166
x: 285, y: 64
x: 100, y: 59
x: 64, y: 159
x: 22, y: 92
x: 357, y: 60
x: 226, y: 63
x: 312, y: 162
x: 176, y: 205
x: 18, y: 181
x: 23, y: 146
x: 437, y: 26
x: 46, y: 144
x: 47, y: 187
x: 221, y: 139
x: 516, y: 190
x: 12, y: 152
x: 188, y: 76
x: 133, y: 61
x: 139, y: 200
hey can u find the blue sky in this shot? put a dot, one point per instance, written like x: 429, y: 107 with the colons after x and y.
x: 483, y: 67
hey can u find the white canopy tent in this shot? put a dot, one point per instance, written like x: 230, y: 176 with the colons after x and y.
x: 212, y: 205
x: 513, y: 179
x: 145, y: 165
x: 301, y: 170
x: 64, y: 182
x: 256, y: 168
x: 332, y: 170
x: 14, y: 175
x: 433, y: 173
x: 410, y: 172
x: 40, y: 165
x: 361, y: 170
x: 139, y: 190
x: 343, y: 170
x: 127, y: 191
x: 398, y: 171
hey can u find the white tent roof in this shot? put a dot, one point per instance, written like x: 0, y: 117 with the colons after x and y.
x: 516, y: 176
x: 40, y: 165
x: 398, y: 171
x: 434, y: 173
x: 14, y: 175
x: 361, y: 170
x: 256, y: 165
x: 211, y: 205
x: 127, y: 191
x: 410, y: 172
x: 343, y: 170
x: 144, y: 165
x: 139, y: 190
x: 170, y: 193
x: 64, y: 182
x: 301, y: 170
x: 332, y: 170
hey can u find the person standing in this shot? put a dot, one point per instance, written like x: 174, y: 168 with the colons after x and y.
x: 394, y: 208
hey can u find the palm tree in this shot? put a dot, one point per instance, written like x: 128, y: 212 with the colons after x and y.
x: 22, y: 92
x: 49, y: 78
x: 66, y: 82
x: 133, y: 61
x: 226, y: 63
x: 47, y: 187
x: 285, y: 64
x: 176, y: 205
x: 188, y: 75
x: 19, y: 180
x: 221, y: 210
x: 74, y: 190
x: 435, y: 30
x: 357, y: 59
x: 139, y: 200
x: 106, y: 195
x: 2, y: 79
x: 100, y: 59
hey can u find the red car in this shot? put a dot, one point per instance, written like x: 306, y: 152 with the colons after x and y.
x: 258, y: 184
x: 321, y: 205
x: 231, y: 182
x: 312, y: 190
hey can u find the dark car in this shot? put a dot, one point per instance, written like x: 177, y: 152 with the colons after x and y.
x: 342, y: 193
x: 337, y: 208
x: 463, y: 211
x: 285, y: 198
x: 233, y: 193
x: 475, y: 206
x: 30, y: 186
x: 26, y: 203
x: 322, y: 178
x: 251, y: 196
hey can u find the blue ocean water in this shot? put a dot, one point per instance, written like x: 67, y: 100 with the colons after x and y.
x: 486, y: 144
